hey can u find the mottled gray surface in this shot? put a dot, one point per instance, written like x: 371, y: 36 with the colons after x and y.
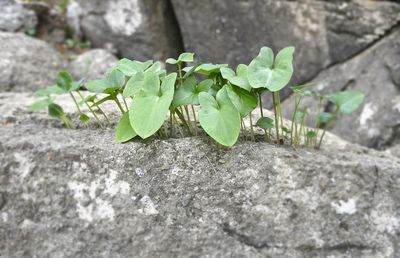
x: 15, y: 18
x: 323, y: 32
x: 375, y: 72
x: 92, y: 64
x: 76, y: 193
x: 136, y: 28
x: 26, y: 63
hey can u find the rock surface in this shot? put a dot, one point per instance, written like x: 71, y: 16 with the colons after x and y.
x: 375, y: 72
x: 26, y: 64
x: 15, y: 18
x: 92, y: 64
x: 138, y: 29
x: 76, y: 193
x: 323, y: 32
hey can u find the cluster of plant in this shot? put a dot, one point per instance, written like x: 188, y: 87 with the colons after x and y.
x: 211, y: 96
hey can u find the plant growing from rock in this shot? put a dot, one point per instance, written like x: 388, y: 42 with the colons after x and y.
x: 212, y: 96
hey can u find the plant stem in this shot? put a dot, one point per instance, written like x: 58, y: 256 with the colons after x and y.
x: 188, y: 117
x: 243, y: 129
x: 171, y: 121
x: 126, y: 105
x: 251, y: 128
x: 182, y: 118
x: 317, y: 123
x: 119, y: 104
x: 179, y: 128
x: 76, y: 103
x: 297, y: 101
x: 262, y: 113
x: 278, y: 94
x: 326, y: 127
x: 195, y: 119
x: 67, y: 122
x: 276, y: 117
x: 91, y: 110
x: 105, y: 116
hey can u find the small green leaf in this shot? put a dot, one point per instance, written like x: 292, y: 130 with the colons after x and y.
x: 124, y: 131
x: 311, y: 134
x: 97, y: 86
x: 265, y: 123
x: 244, y: 101
x: 301, y: 88
x: 325, y: 117
x: 150, y: 106
x: 263, y: 72
x: 186, y: 57
x: 347, y: 101
x: 188, y: 93
x: 130, y: 68
x: 171, y: 61
x: 207, y: 69
x: 48, y: 91
x: 41, y: 104
x: 84, y: 118
x: 55, y: 110
x: 219, y: 117
x: 240, y: 79
x: 64, y: 80
x: 116, y: 79
x: 285, y: 129
x: 135, y: 84
x: 76, y: 85
x: 101, y: 101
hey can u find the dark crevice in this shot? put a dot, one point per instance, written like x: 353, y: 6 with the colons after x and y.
x: 342, y: 248
x: 171, y: 15
x: 358, y: 53
x: 244, y: 239
x: 375, y: 185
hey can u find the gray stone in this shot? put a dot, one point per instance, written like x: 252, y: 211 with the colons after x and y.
x: 374, y: 72
x: 138, y: 29
x: 15, y: 18
x: 26, y: 63
x: 92, y: 64
x: 76, y: 193
x: 323, y: 32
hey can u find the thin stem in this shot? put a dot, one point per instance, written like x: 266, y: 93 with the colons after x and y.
x: 171, y: 121
x: 251, y: 128
x: 195, y: 119
x: 317, y: 122
x: 67, y: 122
x: 91, y: 110
x: 179, y: 128
x: 326, y: 127
x: 182, y: 118
x: 188, y: 117
x: 243, y: 129
x: 104, y: 114
x: 76, y: 103
x: 262, y: 113
x: 119, y: 105
x: 126, y: 105
x: 278, y: 95
x: 297, y: 101
x: 276, y: 117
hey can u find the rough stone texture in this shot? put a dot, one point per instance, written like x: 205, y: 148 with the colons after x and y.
x: 138, y: 29
x: 375, y: 72
x: 15, y: 18
x: 76, y: 193
x: 323, y: 32
x: 26, y: 63
x: 92, y: 64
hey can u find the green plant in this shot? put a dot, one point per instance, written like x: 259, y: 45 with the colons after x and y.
x: 211, y: 96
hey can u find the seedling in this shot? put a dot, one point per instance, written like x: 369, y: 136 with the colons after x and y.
x: 212, y: 96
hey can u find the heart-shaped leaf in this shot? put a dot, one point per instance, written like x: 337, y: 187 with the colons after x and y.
x: 265, y: 123
x: 186, y: 57
x: 115, y: 80
x: 244, y: 101
x: 347, y: 101
x: 130, y: 68
x: 41, y: 104
x: 150, y: 106
x: 140, y: 81
x: 219, y: 117
x: 188, y: 93
x: 84, y: 118
x: 64, y: 80
x: 263, y: 72
x: 239, y: 79
x: 325, y: 117
x: 55, y: 110
x: 124, y: 131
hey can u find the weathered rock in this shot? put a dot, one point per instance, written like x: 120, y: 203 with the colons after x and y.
x: 26, y: 63
x: 138, y: 29
x: 15, y: 18
x: 374, y: 72
x: 76, y: 193
x: 92, y: 64
x: 323, y: 32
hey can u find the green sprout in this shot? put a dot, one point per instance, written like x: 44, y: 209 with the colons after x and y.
x: 213, y: 97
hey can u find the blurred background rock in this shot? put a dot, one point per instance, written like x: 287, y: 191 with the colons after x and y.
x: 340, y: 44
